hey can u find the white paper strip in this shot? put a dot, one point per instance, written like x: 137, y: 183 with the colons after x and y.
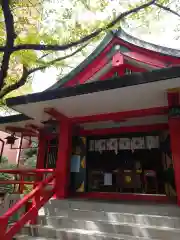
x: 107, y: 179
x: 112, y: 145
x: 152, y: 142
x: 96, y: 145
x: 102, y: 145
x: 124, y: 144
x: 137, y: 143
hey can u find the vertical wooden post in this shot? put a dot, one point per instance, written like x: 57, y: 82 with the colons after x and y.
x: 39, y: 165
x: 63, y: 159
x: 3, y: 227
x: 36, y: 203
x: 174, y: 129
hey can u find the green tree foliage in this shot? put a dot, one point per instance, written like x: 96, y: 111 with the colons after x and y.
x: 31, y: 156
x: 30, y: 162
x: 154, y: 21
x: 6, y: 188
x: 34, y: 35
x: 25, y: 22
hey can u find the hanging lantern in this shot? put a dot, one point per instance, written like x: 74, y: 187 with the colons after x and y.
x: 11, y: 139
x: 50, y: 122
x: 51, y: 125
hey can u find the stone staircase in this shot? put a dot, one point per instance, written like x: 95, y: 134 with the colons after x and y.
x: 90, y: 220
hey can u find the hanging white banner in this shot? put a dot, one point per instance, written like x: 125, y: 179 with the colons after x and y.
x: 152, y: 142
x: 102, y: 145
x: 116, y: 144
x: 98, y: 146
x: 137, y: 143
x: 112, y: 144
x: 124, y: 144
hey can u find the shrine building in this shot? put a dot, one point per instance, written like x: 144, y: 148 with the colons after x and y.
x: 111, y: 127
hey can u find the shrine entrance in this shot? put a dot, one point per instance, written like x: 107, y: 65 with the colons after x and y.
x: 126, y: 164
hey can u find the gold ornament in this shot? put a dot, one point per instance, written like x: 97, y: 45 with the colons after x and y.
x: 128, y: 179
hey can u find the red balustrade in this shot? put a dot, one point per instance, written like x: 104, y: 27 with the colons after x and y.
x: 39, y: 196
x: 23, y: 173
x: 26, y: 171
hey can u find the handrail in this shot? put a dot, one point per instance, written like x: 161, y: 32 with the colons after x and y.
x: 40, y: 199
x: 7, y: 182
x: 30, y: 195
x: 26, y: 171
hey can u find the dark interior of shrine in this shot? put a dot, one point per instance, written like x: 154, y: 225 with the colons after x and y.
x: 127, y: 171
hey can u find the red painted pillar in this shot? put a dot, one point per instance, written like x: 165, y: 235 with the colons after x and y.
x: 39, y: 165
x: 63, y: 159
x: 174, y: 129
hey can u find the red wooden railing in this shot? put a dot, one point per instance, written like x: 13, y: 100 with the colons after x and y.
x: 39, y: 196
x: 23, y: 173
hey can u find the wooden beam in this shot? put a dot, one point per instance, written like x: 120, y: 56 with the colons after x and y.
x: 32, y: 127
x: 121, y: 130
x: 55, y: 114
x: 24, y: 131
x: 119, y: 116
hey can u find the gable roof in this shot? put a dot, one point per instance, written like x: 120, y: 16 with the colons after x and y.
x: 127, y: 38
x: 85, y: 63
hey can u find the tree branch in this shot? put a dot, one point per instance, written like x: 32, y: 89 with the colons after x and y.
x: 10, y: 37
x: 167, y: 9
x: 86, y: 38
x: 60, y: 58
x: 27, y: 72
x: 16, y: 85
x: 9, y: 48
x: 42, y: 47
x: 131, y: 11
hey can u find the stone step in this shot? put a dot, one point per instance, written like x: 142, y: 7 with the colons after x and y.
x: 60, y: 217
x: 102, y: 228
x: 83, y: 220
x: 55, y: 205
x: 26, y: 237
x: 77, y: 234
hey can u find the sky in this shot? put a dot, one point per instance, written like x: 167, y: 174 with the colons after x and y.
x: 50, y: 75
x: 158, y: 31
